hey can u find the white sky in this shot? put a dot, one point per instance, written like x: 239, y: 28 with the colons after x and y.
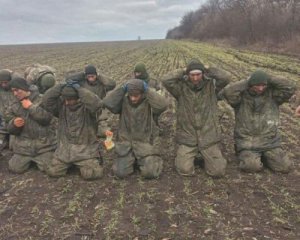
x: 38, y: 21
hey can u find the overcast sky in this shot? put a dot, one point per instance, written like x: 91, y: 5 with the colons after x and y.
x: 37, y: 21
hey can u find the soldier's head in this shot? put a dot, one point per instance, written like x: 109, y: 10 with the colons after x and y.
x: 195, y: 71
x: 140, y: 72
x: 20, y: 88
x: 135, y: 89
x: 5, y: 77
x: 70, y: 96
x: 90, y: 74
x: 47, y: 81
x: 258, y: 82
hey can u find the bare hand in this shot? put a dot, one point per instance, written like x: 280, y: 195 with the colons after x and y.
x: 26, y: 103
x: 19, y: 122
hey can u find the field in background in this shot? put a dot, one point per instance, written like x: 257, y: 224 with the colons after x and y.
x: 239, y: 206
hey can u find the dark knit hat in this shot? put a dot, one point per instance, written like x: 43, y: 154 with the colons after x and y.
x: 258, y: 77
x: 90, y: 69
x: 69, y: 92
x: 135, y: 86
x: 5, y: 75
x: 141, y: 68
x: 194, y: 64
x: 19, y: 83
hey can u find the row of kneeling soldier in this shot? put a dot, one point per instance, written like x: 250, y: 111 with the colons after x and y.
x: 61, y: 128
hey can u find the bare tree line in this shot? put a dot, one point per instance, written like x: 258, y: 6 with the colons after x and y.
x: 245, y: 21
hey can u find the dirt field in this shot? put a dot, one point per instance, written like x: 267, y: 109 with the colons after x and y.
x: 240, y: 206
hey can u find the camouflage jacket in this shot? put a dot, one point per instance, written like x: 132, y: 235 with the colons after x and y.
x: 103, y: 84
x: 197, y: 110
x: 77, y: 127
x: 257, y: 116
x: 6, y: 98
x: 38, y: 134
x: 33, y: 73
x: 137, y: 128
x: 152, y: 82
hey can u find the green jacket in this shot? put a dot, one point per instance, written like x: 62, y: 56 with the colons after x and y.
x: 103, y: 84
x: 197, y: 119
x: 257, y: 116
x: 137, y: 129
x: 38, y: 134
x: 77, y: 127
x: 152, y: 82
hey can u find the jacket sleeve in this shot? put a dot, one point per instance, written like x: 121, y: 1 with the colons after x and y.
x: 10, y: 117
x: 154, y: 83
x: 172, y: 81
x: 233, y: 92
x: 51, y: 99
x: 222, y: 77
x: 90, y: 100
x: 108, y: 83
x: 283, y: 89
x: 40, y: 115
x: 157, y: 102
x: 114, y: 100
x: 12, y: 129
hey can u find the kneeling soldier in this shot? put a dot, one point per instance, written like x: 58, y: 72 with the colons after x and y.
x: 137, y: 140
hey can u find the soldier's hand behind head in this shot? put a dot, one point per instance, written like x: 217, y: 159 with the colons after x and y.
x: 19, y: 122
x: 73, y: 83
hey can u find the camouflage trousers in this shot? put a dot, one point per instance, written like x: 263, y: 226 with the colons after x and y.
x: 214, y: 162
x: 104, y: 121
x: 89, y: 168
x: 275, y: 159
x: 150, y: 165
x: 20, y: 163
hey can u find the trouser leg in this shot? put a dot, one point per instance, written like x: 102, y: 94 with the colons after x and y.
x: 250, y: 161
x: 184, y: 161
x: 151, y: 166
x: 90, y: 169
x: 277, y: 160
x: 43, y: 160
x: 19, y: 163
x: 214, y: 162
x: 123, y: 165
x: 57, y: 168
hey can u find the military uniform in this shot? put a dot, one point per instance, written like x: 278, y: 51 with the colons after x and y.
x: 256, y: 130
x: 197, y: 128
x: 137, y: 138
x: 141, y: 69
x: 42, y: 76
x: 101, y: 87
x: 77, y: 127
x: 36, y: 140
x: 6, y: 98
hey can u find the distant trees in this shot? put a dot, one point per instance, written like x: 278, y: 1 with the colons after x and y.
x: 246, y: 21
